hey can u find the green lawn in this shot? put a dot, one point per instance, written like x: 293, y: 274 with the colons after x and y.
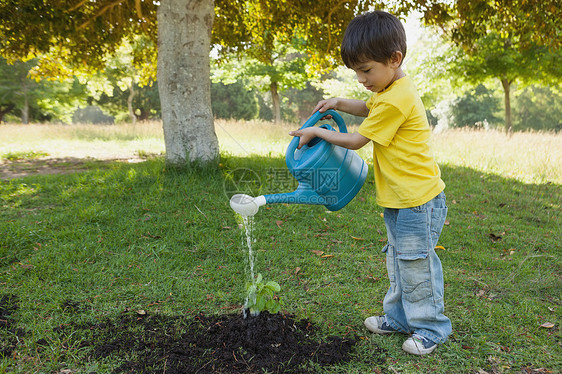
x: 81, y: 248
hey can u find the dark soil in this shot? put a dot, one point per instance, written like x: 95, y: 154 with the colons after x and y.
x: 214, y: 344
x: 8, y: 332
x: 141, y: 342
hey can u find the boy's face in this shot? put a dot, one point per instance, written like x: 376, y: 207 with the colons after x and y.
x: 376, y: 76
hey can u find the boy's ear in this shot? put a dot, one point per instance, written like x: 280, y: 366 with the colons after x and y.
x: 396, y: 59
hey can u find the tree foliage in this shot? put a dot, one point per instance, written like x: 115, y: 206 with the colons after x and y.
x: 502, y: 57
x: 476, y: 108
x: 511, y: 40
x: 33, y: 100
x: 538, y: 108
x: 76, y: 36
x: 254, y: 27
x: 234, y: 101
x: 80, y: 33
x: 529, y: 22
x: 290, y: 41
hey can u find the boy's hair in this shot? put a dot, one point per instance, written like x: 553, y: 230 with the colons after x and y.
x: 373, y: 36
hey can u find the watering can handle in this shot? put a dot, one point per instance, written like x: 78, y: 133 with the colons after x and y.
x: 290, y: 154
x: 317, y: 116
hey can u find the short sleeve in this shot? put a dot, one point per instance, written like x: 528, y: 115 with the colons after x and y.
x: 382, y: 123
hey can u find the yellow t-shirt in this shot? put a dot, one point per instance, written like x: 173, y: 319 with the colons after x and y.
x: 406, y: 174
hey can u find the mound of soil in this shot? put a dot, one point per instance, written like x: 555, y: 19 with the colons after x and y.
x: 217, y: 344
x: 158, y: 344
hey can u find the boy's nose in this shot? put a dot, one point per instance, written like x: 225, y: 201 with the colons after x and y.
x: 360, y: 78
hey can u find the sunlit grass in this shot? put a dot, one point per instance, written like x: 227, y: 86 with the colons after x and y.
x: 530, y: 157
x: 96, y: 141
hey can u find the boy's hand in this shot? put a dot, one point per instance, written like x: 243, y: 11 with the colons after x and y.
x: 324, y: 105
x: 351, y: 106
x: 306, y: 135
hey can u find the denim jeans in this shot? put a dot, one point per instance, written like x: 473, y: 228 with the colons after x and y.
x: 414, y: 301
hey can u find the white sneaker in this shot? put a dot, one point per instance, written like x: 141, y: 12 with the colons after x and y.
x: 379, y: 325
x: 418, y: 345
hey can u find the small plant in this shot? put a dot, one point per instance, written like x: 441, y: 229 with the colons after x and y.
x: 261, y: 296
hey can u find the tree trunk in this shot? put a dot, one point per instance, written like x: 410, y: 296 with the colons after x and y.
x: 507, y: 103
x: 130, y: 103
x: 184, y: 42
x: 276, y: 102
x: 25, y: 109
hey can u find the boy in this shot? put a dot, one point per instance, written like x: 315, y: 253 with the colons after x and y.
x: 407, y: 178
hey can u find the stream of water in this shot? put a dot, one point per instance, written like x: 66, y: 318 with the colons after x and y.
x: 249, y: 229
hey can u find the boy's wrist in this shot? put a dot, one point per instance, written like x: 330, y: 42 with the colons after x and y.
x: 336, y: 102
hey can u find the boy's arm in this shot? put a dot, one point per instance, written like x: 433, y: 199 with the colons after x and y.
x: 351, y: 106
x: 346, y: 140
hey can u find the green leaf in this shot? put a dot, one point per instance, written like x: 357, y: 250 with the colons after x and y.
x: 276, y: 308
x: 274, y: 286
x: 273, y: 306
x: 251, y: 289
x: 260, y: 303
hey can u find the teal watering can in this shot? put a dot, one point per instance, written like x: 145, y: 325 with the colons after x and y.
x: 328, y: 174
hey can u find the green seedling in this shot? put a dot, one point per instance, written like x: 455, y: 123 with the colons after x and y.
x: 261, y: 296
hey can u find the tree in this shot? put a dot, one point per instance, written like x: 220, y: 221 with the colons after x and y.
x: 494, y: 56
x: 532, y: 22
x: 23, y: 96
x: 289, y: 40
x: 539, y: 108
x: 184, y: 39
x: 85, y: 32
x: 476, y: 108
x: 234, y: 101
x: 15, y: 88
x: 519, y: 40
x: 287, y: 68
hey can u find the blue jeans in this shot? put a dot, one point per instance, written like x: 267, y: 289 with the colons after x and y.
x: 414, y: 301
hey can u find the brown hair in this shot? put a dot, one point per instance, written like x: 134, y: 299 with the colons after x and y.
x: 373, y: 36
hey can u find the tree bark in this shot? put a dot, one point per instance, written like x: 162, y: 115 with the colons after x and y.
x: 184, y: 42
x: 507, y: 103
x: 25, y: 109
x: 276, y: 101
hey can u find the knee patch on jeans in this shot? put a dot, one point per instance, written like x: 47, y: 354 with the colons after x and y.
x: 415, y: 277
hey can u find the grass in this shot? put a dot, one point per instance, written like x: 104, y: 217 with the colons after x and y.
x: 79, y: 248
x: 530, y: 157
x: 97, y: 141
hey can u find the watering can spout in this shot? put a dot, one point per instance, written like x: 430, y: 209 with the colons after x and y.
x: 246, y: 205
x: 328, y: 175
x: 304, y: 194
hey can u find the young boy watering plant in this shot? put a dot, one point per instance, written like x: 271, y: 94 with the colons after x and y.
x: 407, y: 178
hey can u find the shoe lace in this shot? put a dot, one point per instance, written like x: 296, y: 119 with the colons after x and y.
x: 418, y: 339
